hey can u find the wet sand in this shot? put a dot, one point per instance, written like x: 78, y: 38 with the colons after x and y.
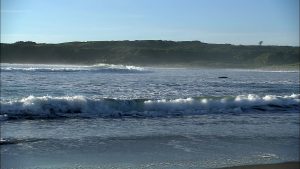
x: 287, y: 165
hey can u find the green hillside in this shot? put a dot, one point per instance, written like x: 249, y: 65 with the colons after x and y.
x: 151, y: 52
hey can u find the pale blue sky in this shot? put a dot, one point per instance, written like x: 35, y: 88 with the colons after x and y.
x: 276, y: 22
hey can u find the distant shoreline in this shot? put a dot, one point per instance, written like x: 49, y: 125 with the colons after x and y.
x: 156, y: 53
x: 286, y: 165
x: 293, y: 68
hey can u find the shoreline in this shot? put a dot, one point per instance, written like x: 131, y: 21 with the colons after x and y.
x: 284, y: 165
x: 279, y: 68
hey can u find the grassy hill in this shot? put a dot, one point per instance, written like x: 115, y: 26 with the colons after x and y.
x: 151, y: 52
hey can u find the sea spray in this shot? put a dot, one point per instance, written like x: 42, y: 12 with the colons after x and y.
x: 79, y: 106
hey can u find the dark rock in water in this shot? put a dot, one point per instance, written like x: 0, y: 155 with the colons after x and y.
x: 223, y: 77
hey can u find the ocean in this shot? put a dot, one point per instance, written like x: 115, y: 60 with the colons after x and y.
x: 118, y: 116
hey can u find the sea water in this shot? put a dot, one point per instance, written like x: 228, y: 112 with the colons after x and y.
x: 118, y: 116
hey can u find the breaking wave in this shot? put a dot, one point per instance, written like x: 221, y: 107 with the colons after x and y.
x: 71, y: 68
x: 48, y: 107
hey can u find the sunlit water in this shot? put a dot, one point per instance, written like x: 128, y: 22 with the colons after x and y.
x: 110, y: 116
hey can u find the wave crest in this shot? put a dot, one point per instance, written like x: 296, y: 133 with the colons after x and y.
x: 79, y: 106
x: 71, y: 68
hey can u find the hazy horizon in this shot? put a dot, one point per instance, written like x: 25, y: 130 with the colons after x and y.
x: 275, y: 22
x: 148, y: 40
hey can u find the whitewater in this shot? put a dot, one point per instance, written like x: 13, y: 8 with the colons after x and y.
x: 122, y: 116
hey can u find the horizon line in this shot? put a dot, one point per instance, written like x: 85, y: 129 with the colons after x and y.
x: 22, y: 41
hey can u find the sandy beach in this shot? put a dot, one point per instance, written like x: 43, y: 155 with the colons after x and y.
x: 287, y: 165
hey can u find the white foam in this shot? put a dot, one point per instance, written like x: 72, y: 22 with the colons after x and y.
x: 46, y: 67
x: 80, y: 106
x: 268, y: 155
x: 113, y: 66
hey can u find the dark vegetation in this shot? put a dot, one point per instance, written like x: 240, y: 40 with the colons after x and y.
x: 151, y: 52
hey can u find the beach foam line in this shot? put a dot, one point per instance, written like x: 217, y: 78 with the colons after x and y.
x: 32, y: 107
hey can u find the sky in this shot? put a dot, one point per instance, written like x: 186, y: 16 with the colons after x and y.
x: 246, y: 22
